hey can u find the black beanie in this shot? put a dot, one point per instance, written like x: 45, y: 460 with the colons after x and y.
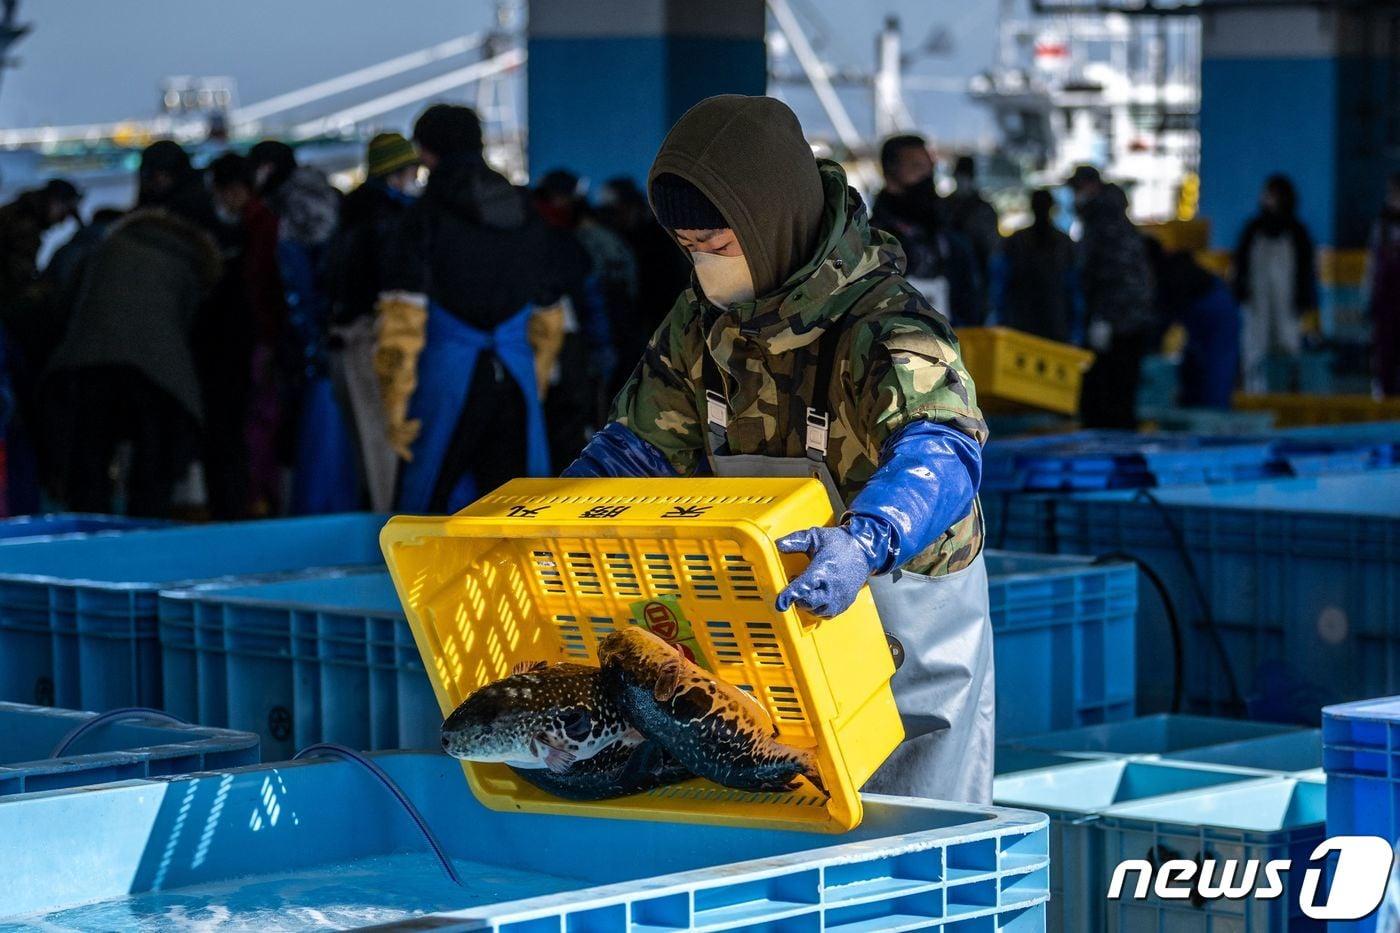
x: 679, y: 205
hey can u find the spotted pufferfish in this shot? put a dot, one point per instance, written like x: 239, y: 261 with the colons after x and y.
x: 548, y: 716
x: 713, y: 728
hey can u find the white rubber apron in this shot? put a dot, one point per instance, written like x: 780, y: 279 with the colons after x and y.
x: 940, y: 633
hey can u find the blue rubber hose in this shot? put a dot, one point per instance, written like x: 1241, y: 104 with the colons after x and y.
x: 332, y: 750
x: 1236, y: 706
x: 112, y: 715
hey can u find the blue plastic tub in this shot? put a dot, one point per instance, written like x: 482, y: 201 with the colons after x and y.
x: 138, y: 747
x: 326, y: 657
x: 1361, y: 754
x: 1160, y: 734
x: 1064, y: 641
x: 1072, y: 796
x: 1286, y: 753
x: 1012, y: 759
x: 26, y: 527
x: 322, y: 844
x: 1301, y: 576
x: 1264, y: 819
x: 78, y: 615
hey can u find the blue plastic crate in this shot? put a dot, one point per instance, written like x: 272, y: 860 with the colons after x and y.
x: 78, y: 615
x: 1210, y: 421
x: 292, y: 846
x: 1064, y: 641
x: 1361, y: 754
x: 1264, y: 819
x: 1163, y: 734
x: 326, y: 657
x: 25, y: 527
x: 1302, y: 577
x: 1092, y: 460
x: 115, y: 751
x: 1072, y: 796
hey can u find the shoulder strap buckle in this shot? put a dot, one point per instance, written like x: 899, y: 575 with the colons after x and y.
x: 818, y: 433
x: 716, y: 410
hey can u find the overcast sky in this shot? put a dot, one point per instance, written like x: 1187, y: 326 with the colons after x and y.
x: 99, y: 60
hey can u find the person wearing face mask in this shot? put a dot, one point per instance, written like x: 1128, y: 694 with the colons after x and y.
x: 1120, y: 318
x: 800, y: 349
x: 224, y: 334
x: 1275, y: 282
x: 369, y: 220
x: 939, y: 260
x: 471, y: 322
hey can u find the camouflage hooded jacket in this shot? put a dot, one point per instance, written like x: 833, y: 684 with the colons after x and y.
x: 897, y: 361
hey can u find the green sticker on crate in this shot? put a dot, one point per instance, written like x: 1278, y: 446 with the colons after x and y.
x: 663, y: 617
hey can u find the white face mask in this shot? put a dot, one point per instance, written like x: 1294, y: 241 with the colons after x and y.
x: 725, y: 280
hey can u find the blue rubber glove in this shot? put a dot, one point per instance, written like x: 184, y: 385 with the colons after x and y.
x: 616, y: 451
x: 926, y: 481
x: 843, y: 558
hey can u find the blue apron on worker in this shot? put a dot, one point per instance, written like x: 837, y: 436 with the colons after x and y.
x: 445, y: 371
x: 325, y: 478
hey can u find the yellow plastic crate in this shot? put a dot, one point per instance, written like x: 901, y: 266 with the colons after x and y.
x: 1293, y: 410
x: 1016, y: 368
x: 1341, y: 267
x: 543, y: 569
x: 1176, y: 235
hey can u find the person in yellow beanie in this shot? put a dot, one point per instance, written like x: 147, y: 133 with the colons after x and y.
x: 370, y: 218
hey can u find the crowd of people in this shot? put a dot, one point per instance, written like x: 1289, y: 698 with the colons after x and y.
x: 390, y: 348
x: 404, y: 347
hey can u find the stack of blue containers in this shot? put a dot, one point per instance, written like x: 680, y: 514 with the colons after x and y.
x: 1361, y: 754
x: 1262, y: 572
x: 1167, y: 787
x: 78, y: 613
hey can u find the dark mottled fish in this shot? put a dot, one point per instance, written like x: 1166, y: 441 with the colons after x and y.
x: 712, y: 728
x: 541, y: 716
x: 620, y: 770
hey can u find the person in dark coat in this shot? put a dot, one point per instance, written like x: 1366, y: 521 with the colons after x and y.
x: 1035, y: 281
x: 662, y: 272
x: 574, y: 405
x: 973, y: 216
x: 315, y: 438
x: 1275, y: 281
x: 1119, y: 301
x: 1383, y: 274
x: 940, y: 261
x: 369, y: 217
x: 470, y: 323
x: 223, y: 343
x: 125, y: 371
x: 31, y: 322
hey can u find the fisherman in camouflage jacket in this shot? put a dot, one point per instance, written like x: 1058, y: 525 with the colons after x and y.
x: 797, y: 309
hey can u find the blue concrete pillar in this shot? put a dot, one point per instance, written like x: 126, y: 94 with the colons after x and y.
x: 608, y: 78
x: 1300, y: 90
